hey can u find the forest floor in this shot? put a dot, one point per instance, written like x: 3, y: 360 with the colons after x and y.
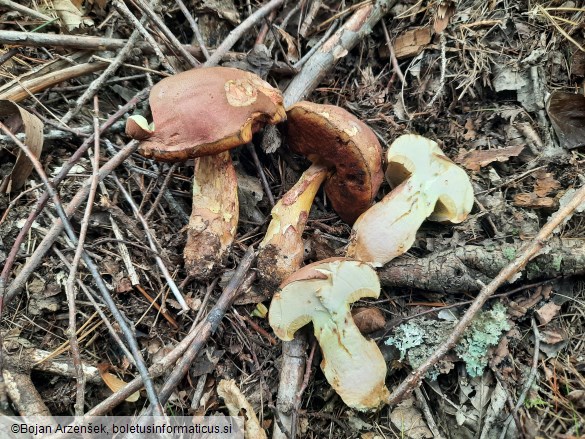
x: 497, y: 84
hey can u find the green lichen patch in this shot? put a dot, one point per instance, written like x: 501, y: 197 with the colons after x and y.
x: 509, y: 253
x: 418, y: 339
x: 484, y: 332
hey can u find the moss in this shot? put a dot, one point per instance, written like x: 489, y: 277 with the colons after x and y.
x: 509, y: 253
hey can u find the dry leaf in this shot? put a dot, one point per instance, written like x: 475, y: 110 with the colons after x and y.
x: 368, y: 320
x: 470, y: 130
x: 567, y: 114
x: 577, y: 397
x: 238, y: 405
x: 70, y: 14
x: 17, y: 118
x: 114, y: 383
x: 412, y: 42
x: 545, y: 184
x: 533, y: 201
x: 292, y: 52
x: 445, y: 10
x: 474, y: 160
x: 408, y: 419
x: 547, y: 312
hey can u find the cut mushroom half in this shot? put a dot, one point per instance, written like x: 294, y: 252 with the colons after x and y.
x: 201, y: 114
x: 346, y: 154
x: 321, y: 293
x: 426, y: 185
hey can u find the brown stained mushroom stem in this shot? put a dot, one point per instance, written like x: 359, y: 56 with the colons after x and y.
x: 346, y: 155
x: 282, y: 247
x: 214, y: 218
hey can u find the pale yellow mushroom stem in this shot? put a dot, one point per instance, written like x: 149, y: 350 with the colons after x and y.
x: 281, y: 251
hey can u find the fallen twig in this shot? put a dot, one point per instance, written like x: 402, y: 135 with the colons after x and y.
x: 197, y: 336
x: 210, y: 324
x: 173, y: 41
x: 70, y: 283
x: 529, y: 380
x: 105, y: 170
x: 128, y: 15
x: 81, y: 42
x: 239, y: 31
x: 153, y: 247
x: 458, y: 270
x: 24, y: 10
x: 24, y: 89
x: 98, y: 83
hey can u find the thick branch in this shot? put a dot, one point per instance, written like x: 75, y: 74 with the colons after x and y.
x: 459, y: 270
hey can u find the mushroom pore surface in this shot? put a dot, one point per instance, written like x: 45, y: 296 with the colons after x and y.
x: 332, y: 136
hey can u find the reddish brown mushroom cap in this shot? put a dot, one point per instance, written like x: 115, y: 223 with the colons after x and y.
x: 331, y: 136
x: 208, y: 110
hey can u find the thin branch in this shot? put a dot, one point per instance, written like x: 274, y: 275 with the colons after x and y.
x: 97, y: 84
x: 175, y: 43
x: 70, y: 283
x: 529, y: 380
x: 82, y: 42
x: 131, y: 18
x: 392, y: 55
x: 161, y: 265
x: 211, y: 323
x: 241, y: 30
x: 197, y: 336
x: 24, y: 10
x: 75, y: 157
x: 194, y: 27
x: 262, y: 174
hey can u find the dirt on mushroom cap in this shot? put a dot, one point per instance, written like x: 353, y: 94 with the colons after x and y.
x: 330, y: 135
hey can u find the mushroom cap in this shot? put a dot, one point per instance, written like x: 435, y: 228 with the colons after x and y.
x: 319, y: 291
x: 414, y: 156
x: 332, y: 136
x: 208, y: 110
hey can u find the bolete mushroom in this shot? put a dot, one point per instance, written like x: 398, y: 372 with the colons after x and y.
x: 346, y: 154
x: 201, y: 114
x: 426, y: 185
x: 321, y: 293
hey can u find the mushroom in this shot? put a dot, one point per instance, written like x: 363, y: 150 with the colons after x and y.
x: 345, y: 152
x: 426, y: 185
x: 321, y: 293
x: 201, y: 114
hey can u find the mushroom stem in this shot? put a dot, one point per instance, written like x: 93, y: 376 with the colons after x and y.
x: 281, y: 251
x: 402, y: 212
x: 214, y: 218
